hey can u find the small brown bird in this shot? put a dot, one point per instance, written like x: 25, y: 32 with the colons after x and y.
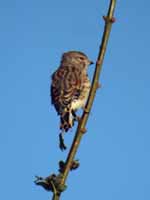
x: 70, y: 88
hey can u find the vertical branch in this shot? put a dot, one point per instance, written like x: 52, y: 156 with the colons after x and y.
x: 109, y: 19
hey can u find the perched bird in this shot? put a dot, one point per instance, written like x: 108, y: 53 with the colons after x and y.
x: 70, y: 88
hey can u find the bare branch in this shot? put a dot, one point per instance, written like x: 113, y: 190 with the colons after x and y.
x: 109, y: 19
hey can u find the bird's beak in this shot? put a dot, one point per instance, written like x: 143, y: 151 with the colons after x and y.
x: 91, y: 62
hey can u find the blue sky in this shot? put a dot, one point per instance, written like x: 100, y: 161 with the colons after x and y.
x: 115, y: 152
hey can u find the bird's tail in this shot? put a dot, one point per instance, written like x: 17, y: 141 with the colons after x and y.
x: 66, y: 121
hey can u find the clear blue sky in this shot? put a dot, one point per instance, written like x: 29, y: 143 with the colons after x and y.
x: 115, y: 152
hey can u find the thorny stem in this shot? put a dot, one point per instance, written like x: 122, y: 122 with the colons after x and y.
x: 109, y: 19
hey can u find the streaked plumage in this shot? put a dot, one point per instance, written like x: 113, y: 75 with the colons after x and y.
x: 70, y: 87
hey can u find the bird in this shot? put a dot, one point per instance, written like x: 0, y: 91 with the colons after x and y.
x: 70, y: 86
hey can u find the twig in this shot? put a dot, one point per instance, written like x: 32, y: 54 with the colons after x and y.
x: 109, y: 19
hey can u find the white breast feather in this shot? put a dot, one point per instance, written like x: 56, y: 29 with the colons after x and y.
x: 80, y: 103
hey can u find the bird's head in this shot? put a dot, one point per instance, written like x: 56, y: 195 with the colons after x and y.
x: 76, y: 58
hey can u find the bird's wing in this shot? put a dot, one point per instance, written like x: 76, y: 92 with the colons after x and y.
x: 65, y: 87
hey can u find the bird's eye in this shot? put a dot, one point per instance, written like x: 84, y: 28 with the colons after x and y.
x: 81, y: 58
